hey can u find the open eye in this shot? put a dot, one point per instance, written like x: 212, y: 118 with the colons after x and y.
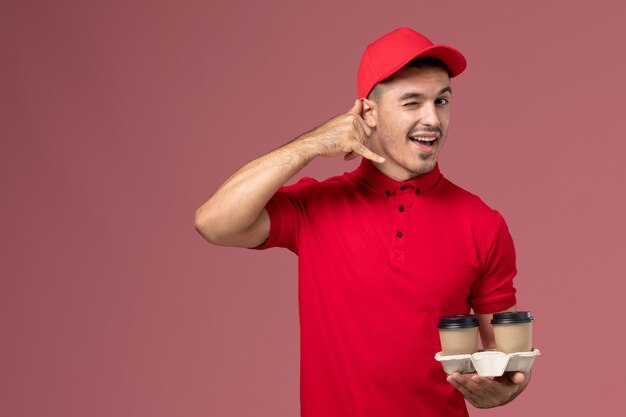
x: 442, y: 101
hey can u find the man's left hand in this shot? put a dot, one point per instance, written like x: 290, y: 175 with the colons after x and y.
x: 484, y: 392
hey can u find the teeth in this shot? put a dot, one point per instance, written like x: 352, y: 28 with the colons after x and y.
x: 423, y: 139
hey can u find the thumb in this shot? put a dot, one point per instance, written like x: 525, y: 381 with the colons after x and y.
x: 357, y: 108
x: 518, y: 378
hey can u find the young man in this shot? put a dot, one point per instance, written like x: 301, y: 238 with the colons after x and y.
x: 385, y: 250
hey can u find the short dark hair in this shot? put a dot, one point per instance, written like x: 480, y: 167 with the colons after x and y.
x: 421, y: 62
x: 426, y: 62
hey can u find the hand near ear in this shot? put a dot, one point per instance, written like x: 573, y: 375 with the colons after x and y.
x: 347, y: 133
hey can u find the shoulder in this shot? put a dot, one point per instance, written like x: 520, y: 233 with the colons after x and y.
x: 300, y: 188
x: 468, y: 205
x: 308, y: 186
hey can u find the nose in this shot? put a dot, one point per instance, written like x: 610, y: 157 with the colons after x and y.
x: 429, y: 115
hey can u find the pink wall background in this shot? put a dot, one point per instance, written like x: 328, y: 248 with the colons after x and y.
x: 119, y: 118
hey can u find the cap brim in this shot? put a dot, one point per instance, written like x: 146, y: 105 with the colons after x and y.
x: 454, y: 60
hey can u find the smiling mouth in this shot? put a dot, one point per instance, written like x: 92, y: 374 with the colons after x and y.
x: 424, y: 141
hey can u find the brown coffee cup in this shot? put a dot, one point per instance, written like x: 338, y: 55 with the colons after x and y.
x: 458, y: 334
x: 513, y: 331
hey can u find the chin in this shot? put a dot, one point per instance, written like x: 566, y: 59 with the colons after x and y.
x: 424, y: 168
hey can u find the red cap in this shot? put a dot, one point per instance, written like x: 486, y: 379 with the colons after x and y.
x: 388, y: 54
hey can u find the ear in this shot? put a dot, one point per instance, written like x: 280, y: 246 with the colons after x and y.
x: 369, y: 112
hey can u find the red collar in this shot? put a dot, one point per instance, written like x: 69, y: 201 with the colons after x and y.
x: 381, y: 184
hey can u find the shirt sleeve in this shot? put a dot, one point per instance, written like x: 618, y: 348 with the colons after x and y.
x: 493, y: 291
x: 287, y: 210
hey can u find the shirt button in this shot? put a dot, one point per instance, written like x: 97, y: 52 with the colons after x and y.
x: 401, y: 209
x: 403, y: 187
x: 417, y: 191
x: 387, y: 193
x: 399, y: 234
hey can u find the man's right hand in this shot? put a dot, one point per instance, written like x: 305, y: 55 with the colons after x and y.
x: 344, y: 134
x: 235, y: 214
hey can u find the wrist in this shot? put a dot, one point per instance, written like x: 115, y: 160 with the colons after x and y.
x: 306, y: 147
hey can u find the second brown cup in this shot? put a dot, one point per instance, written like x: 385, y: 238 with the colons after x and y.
x: 513, y: 331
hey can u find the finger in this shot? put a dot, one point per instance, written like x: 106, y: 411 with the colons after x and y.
x: 362, y: 131
x: 512, y: 378
x: 350, y: 156
x: 518, y: 378
x: 458, y: 382
x: 362, y: 150
x: 367, y: 131
x: 463, y: 381
x: 481, y: 379
x: 357, y: 108
x: 466, y: 393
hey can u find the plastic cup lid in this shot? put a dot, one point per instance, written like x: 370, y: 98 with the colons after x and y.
x: 511, y: 317
x: 459, y: 321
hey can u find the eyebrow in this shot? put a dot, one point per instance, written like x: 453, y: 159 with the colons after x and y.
x: 415, y: 94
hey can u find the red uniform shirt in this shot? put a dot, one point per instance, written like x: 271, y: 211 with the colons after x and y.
x: 379, y: 262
